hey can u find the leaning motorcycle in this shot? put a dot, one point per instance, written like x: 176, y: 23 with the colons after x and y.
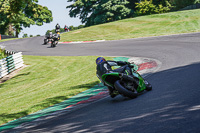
x: 54, y: 40
x: 46, y: 40
x: 124, y: 83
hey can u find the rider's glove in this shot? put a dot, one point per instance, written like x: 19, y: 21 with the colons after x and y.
x: 130, y: 64
x: 121, y: 63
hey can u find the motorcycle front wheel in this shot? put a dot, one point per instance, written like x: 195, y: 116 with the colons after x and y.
x: 148, y: 85
x: 123, y: 91
x: 45, y: 41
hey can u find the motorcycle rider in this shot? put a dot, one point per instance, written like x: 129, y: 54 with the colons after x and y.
x: 104, y: 66
x: 50, y: 35
x: 57, y: 27
x: 57, y: 30
x: 66, y: 28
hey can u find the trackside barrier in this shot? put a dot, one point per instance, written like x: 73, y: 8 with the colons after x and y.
x: 195, y: 6
x: 10, y: 63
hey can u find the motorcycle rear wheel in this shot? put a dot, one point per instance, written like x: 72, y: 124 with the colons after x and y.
x: 125, y: 92
x: 52, y: 44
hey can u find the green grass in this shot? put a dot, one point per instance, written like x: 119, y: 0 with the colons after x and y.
x: 44, y: 82
x: 143, y: 26
x: 4, y: 40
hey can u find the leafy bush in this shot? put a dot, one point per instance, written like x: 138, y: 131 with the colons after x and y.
x: 2, y: 53
x: 147, y: 7
x: 25, y: 35
x: 196, y: 1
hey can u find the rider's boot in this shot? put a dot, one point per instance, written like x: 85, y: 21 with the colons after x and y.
x: 111, y: 92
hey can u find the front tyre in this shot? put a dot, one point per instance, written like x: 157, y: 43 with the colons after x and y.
x: 125, y: 92
x: 148, y: 85
x: 45, y: 41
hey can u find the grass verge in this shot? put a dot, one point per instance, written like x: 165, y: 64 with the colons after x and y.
x: 144, y: 26
x: 4, y: 40
x: 44, y: 82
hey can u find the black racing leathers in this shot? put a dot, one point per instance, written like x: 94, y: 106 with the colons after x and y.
x: 106, y: 67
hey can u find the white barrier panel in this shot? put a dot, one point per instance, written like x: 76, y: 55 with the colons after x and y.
x: 17, y: 56
x: 4, y: 65
x: 4, y: 73
x: 10, y: 64
x: 18, y: 61
x: 3, y: 68
x: 3, y: 62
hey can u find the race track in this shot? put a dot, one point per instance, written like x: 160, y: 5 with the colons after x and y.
x: 173, y: 105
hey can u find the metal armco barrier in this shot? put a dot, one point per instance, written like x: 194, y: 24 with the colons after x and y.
x: 10, y: 63
x: 6, y: 37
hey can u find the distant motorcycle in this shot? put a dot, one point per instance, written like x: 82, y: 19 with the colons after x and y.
x: 54, y: 40
x: 66, y: 30
x: 48, y: 38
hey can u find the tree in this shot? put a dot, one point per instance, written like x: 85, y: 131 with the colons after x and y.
x: 93, y: 12
x: 81, y: 26
x: 179, y: 4
x: 132, y: 4
x: 22, y: 13
x: 158, y: 2
x: 25, y: 35
x: 147, y: 8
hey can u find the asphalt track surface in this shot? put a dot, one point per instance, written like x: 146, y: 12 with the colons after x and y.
x: 173, y: 106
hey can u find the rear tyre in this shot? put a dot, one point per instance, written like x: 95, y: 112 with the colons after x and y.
x: 125, y: 92
x: 53, y: 44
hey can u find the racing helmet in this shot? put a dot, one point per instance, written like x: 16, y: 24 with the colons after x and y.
x: 99, y: 60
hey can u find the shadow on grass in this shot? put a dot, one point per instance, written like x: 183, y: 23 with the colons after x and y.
x: 19, y: 75
x: 7, y: 77
x: 4, y: 117
x: 88, y: 85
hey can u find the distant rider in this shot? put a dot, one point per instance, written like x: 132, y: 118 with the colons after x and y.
x: 57, y: 30
x: 50, y: 35
x: 66, y: 28
x: 104, y: 66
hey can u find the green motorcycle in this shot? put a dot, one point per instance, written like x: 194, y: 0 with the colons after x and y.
x: 125, y: 81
